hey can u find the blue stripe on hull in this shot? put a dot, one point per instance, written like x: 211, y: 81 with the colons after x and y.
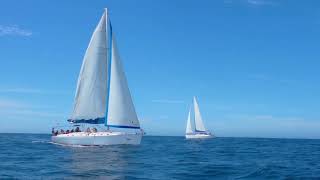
x: 118, y: 126
x: 200, y: 131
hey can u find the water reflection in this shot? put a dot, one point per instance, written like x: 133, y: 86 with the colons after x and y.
x: 109, y: 162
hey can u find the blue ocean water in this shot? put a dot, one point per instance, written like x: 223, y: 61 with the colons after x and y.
x: 30, y: 156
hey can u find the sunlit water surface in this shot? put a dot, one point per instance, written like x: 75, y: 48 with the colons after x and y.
x: 31, y: 156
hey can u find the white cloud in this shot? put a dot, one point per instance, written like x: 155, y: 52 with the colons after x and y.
x: 228, y: 1
x: 265, y: 125
x: 14, y: 30
x: 8, y: 104
x: 260, y: 2
x: 263, y: 117
x: 261, y: 77
x: 251, y: 2
x: 32, y: 113
x: 276, y: 118
x: 22, y: 90
x: 268, y: 78
x: 167, y: 101
x: 14, y: 108
x: 164, y: 117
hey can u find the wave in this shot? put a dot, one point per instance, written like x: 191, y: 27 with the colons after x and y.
x: 70, y: 145
x: 40, y: 141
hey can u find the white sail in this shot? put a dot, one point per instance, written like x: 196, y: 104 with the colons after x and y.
x: 90, y: 98
x: 102, y: 95
x: 121, y: 111
x: 189, y: 126
x: 199, y: 126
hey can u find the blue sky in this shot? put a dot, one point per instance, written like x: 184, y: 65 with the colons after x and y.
x: 253, y: 64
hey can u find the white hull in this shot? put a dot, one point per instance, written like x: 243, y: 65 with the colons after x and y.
x: 97, y: 139
x: 199, y: 136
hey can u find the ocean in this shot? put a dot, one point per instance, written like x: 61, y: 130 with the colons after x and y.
x: 33, y: 156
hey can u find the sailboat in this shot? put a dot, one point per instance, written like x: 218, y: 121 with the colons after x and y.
x: 102, y: 97
x: 199, y: 131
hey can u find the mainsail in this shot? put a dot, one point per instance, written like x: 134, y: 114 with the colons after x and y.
x: 189, y: 126
x: 90, y: 98
x: 102, y: 95
x: 199, y: 126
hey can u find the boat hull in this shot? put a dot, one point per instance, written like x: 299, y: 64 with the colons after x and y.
x: 97, y: 139
x: 199, y: 136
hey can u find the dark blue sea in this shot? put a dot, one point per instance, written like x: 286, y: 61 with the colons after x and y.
x: 31, y: 156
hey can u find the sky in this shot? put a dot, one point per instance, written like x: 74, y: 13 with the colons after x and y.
x: 253, y: 64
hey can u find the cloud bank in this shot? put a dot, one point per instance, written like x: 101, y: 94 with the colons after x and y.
x: 260, y: 2
x: 14, y: 30
x: 251, y: 2
x: 167, y: 101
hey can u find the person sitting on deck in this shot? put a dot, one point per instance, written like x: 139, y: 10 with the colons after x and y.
x: 52, y: 131
x: 61, y: 131
x: 94, y: 130
x: 67, y: 132
x: 71, y: 131
x: 56, y: 133
x: 88, y: 130
x: 77, y: 129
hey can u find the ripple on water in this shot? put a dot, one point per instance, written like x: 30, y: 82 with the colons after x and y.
x: 35, y: 157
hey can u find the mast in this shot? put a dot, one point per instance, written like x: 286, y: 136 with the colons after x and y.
x: 109, y: 56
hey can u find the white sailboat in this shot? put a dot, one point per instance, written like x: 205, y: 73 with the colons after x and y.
x: 102, y: 97
x: 199, y: 131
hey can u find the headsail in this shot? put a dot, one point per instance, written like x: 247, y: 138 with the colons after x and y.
x: 199, y: 126
x: 121, y: 111
x: 189, y: 126
x: 90, y: 98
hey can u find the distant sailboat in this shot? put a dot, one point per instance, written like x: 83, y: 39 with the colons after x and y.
x: 199, y: 131
x: 102, y: 96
